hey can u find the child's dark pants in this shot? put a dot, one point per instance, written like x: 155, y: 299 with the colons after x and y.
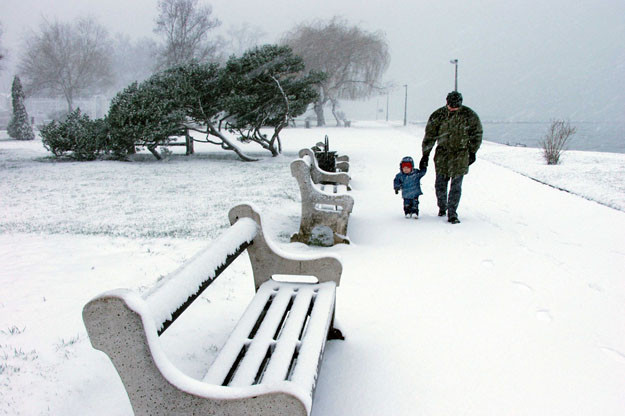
x: 411, y: 206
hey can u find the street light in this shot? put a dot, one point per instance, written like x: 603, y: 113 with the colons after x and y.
x: 387, y: 94
x: 405, y: 103
x: 455, y: 62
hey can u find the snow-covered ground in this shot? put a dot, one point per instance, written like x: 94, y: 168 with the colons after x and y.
x: 518, y: 310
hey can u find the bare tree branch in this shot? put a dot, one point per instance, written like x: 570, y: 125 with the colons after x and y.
x: 184, y: 27
x: 67, y: 60
x: 353, y: 59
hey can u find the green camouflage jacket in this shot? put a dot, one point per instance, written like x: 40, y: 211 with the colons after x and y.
x: 457, y: 133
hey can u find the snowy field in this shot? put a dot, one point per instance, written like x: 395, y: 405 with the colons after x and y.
x: 518, y: 310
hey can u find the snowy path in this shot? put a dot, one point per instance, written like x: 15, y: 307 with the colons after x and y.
x: 518, y: 310
x: 506, y: 313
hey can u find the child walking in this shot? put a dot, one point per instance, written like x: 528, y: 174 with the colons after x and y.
x: 409, y: 181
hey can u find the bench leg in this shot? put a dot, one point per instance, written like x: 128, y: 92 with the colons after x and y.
x: 333, y: 332
x: 340, y: 239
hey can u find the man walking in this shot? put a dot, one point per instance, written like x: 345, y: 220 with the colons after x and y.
x: 456, y: 131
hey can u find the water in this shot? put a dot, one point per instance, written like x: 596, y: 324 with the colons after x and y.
x: 590, y: 136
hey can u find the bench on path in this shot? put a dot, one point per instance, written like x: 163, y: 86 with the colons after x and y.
x: 325, y: 212
x: 269, y: 364
x: 341, y: 161
x: 322, y: 177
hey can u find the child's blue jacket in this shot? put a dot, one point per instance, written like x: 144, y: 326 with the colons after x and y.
x: 410, y: 184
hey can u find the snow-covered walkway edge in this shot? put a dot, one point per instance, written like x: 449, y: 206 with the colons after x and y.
x: 597, y: 176
x: 519, y: 309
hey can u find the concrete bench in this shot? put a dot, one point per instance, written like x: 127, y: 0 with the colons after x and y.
x: 342, y: 161
x: 269, y: 364
x: 322, y: 177
x: 325, y: 212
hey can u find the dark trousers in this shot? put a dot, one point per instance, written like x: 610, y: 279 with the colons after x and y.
x: 411, y: 206
x: 449, y: 202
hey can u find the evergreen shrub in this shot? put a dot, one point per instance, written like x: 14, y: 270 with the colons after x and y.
x: 77, y: 136
x: 19, y: 127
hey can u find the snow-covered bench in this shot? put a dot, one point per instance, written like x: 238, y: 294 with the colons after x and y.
x: 342, y: 161
x: 338, y: 180
x: 268, y: 365
x: 325, y: 212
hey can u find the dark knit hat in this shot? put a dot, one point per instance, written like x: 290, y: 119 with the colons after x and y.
x: 454, y: 99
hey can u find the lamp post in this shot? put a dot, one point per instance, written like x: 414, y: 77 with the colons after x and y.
x: 387, y: 94
x: 405, y: 103
x: 455, y: 62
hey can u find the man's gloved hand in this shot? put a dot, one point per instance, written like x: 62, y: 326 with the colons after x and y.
x: 423, y: 163
x: 396, y: 191
x: 471, y: 157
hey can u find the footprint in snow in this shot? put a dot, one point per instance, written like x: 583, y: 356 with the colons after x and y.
x: 488, y: 263
x: 544, y: 315
x: 523, y: 287
x: 596, y: 287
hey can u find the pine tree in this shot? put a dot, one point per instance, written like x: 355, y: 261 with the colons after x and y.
x: 19, y: 126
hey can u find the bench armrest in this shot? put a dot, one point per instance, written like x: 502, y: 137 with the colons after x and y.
x: 268, y: 260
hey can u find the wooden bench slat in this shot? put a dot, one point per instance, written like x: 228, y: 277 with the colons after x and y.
x: 220, y: 368
x: 267, y: 357
x: 313, y: 341
x: 290, y: 338
x: 261, y: 341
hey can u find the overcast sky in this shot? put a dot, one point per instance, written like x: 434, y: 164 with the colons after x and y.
x: 518, y: 59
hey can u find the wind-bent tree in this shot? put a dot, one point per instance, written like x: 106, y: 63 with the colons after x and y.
x: 143, y: 115
x: 184, y: 27
x: 19, y: 127
x: 67, y: 59
x: 168, y: 104
x: 266, y: 88
x: 201, y: 91
x: 353, y: 59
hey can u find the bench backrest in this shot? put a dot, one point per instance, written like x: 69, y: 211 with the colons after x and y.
x: 311, y: 195
x: 321, y: 176
x: 171, y: 295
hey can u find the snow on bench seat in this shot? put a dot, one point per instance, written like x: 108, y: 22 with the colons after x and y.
x: 270, y: 362
x: 281, y: 336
